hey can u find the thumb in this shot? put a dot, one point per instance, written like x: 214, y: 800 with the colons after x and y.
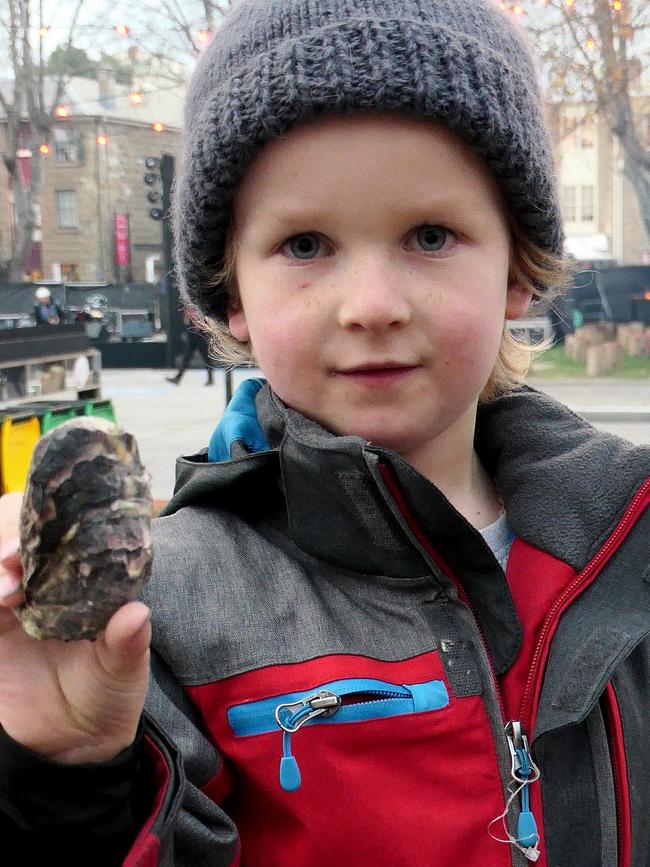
x: 124, y: 646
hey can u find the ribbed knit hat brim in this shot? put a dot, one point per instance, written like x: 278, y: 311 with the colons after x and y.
x: 262, y: 78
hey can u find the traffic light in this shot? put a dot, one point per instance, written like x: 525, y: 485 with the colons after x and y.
x: 152, y: 180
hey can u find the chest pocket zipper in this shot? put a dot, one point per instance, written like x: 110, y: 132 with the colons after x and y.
x: 340, y: 701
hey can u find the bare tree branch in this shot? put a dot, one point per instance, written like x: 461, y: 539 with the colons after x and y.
x: 585, y: 52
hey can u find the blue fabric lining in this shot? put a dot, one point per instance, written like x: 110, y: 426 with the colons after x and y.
x: 239, y: 423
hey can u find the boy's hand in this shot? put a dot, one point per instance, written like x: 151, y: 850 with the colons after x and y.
x: 76, y: 701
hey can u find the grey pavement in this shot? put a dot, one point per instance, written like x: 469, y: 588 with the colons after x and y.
x: 620, y: 406
x: 602, y: 399
x: 170, y: 420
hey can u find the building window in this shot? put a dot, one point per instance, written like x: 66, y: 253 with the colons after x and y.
x: 70, y: 273
x: 569, y: 202
x: 66, y: 209
x: 587, y: 205
x: 578, y: 204
x: 67, y: 147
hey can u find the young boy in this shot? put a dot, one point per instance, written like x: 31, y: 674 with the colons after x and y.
x: 400, y: 605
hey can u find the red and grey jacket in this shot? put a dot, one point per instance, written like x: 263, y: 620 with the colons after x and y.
x: 343, y: 673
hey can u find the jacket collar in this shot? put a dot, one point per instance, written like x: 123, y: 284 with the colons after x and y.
x: 565, y: 484
x: 337, y: 507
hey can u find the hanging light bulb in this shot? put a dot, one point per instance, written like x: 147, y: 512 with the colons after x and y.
x: 61, y: 111
x: 121, y: 29
x: 44, y: 149
x: 203, y: 36
x: 137, y: 97
x: 102, y: 139
x: 158, y: 126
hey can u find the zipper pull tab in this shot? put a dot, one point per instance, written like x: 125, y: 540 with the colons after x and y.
x: 523, y: 771
x: 290, y: 778
x: 290, y: 717
x: 527, y: 833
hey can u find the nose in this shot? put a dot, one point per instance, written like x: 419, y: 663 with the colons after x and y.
x: 373, y: 296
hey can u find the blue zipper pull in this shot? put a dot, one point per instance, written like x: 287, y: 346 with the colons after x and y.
x: 524, y: 771
x: 290, y: 778
x: 527, y: 833
x: 292, y: 716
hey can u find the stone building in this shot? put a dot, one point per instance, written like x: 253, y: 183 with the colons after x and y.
x: 94, y: 213
x: 600, y: 207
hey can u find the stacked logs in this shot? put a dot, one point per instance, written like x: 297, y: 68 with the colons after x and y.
x: 601, y: 345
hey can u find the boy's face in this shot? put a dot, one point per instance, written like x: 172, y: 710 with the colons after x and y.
x: 372, y: 267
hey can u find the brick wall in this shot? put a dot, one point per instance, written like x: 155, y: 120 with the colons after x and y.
x: 106, y: 179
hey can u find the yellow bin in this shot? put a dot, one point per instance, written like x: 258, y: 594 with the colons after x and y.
x: 18, y: 436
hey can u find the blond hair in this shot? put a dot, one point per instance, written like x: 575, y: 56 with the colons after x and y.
x: 546, y: 276
x: 534, y: 269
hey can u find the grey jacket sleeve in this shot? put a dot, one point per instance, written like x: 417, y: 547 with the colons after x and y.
x: 188, y: 829
x: 143, y: 807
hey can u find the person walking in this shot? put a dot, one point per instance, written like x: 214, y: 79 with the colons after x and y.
x: 196, y: 342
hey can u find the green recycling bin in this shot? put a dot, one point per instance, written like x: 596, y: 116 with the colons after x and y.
x: 54, y: 417
x: 100, y: 409
x: 51, y: 413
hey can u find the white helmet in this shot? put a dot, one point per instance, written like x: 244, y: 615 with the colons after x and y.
x: 43, y: 293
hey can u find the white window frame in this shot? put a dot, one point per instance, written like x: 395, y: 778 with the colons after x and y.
x: 587, y: 207
x: 570, y: 203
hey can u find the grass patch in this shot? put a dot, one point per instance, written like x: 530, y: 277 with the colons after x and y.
x: 554, y: 364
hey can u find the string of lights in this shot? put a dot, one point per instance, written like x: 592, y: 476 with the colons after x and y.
x: 201, y: 35
x: 103, y: 139
x: 198, y: 31
x: 518, y: 10
x: 135, y: 97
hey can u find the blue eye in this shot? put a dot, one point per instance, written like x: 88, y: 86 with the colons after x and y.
x: 432, y: 239
x: 306, y: 246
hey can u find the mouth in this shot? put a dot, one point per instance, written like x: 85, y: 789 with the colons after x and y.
x: 377, y: 373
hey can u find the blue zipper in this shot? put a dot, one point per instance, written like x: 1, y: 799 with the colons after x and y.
x: 340, y: 701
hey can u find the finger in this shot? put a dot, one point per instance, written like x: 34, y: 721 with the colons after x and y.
x: 125, y: 643
x: 11, y: 593
x: 10, y: 582
x: 10, y: 505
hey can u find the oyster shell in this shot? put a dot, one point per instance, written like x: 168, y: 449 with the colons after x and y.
x: 85, y: 529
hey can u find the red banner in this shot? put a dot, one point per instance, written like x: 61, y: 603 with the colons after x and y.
x: 122, y: 253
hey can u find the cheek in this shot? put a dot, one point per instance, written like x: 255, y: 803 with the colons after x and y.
x: 280, y: 340
x: 468, y: 338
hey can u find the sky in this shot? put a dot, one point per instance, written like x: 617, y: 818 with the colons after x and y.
x: 152, y: 31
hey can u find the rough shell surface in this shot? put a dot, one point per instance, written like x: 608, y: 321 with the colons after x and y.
x: 85, y: 529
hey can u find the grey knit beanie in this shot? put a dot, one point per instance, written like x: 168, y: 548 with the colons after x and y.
x: 274, y: 63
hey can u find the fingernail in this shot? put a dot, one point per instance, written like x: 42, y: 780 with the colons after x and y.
x: 8, y: 586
